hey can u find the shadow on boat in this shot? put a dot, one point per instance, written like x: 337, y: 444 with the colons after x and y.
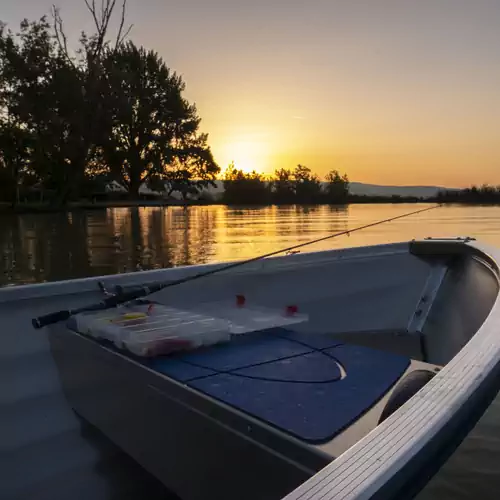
x: 125, y: 478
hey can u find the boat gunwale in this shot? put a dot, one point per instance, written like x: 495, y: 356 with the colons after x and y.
x: 143, y: 278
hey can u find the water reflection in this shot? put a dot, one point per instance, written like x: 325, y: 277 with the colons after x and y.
x: 47, y: 247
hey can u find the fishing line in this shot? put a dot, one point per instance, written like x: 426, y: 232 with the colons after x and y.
x: 115, y: 300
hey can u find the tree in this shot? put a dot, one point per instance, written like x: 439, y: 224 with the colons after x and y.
x: 154, y: 130
x: 57, y: 96
x: 193, y: 167
x: 25, y: 80
x: 108, y: 110
x: 15, y: 151
x: 337, y: 188
x: 307, y: 185
x: 81, y: 79
x: 283, y: 186
x: 245, y: 189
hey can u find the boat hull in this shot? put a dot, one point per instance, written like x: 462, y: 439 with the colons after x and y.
x: 177, y: 435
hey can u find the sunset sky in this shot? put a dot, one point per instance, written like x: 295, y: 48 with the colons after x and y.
x: 389, y: 91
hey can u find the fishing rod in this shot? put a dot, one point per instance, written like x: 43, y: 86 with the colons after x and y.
x: 121, y: 298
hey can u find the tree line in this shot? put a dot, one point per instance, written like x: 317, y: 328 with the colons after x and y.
x: 485, y: 194
x: 284, y: 186
x: 75, y: 119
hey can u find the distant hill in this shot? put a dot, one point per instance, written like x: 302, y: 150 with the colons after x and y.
x: 360, y: 188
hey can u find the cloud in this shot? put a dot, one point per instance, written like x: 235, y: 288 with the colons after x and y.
x: 296, y: 117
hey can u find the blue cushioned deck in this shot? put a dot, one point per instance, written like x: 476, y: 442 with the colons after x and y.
x: 247, y: 350
x: 307, y: 385
x: 313, y: 367
x: 183, y: 372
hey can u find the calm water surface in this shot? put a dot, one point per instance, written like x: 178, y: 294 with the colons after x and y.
x: 47, y: 247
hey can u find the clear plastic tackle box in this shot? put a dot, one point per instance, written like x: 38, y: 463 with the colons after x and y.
x: 150, y: 329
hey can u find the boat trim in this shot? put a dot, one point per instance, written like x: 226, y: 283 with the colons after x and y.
x: 427, y: 297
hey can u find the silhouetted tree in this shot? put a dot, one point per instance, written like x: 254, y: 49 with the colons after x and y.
x: 337, y: 187
x: 15, y: 152
x: 56, y: 94
x: 484, y: 194
x: 154, y: 130
x: 307, y: 186
x: 105, y: 108
x: 245, y: 189
x: 26, y: 70
x: 283, y: 186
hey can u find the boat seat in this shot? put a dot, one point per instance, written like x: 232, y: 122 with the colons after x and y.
x: 310, y: 386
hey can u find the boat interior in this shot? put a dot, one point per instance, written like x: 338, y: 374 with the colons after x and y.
x: 371, y: 321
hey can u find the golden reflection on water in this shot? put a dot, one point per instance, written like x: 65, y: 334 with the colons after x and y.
x: 47, y: 247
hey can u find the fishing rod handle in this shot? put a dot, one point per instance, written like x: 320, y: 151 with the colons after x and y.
x: 112, y: 301
x: 50, y: 319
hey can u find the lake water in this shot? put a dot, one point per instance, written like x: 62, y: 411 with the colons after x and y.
x: 48, y: 247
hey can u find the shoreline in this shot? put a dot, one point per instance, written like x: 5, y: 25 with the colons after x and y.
x: 37, y: 208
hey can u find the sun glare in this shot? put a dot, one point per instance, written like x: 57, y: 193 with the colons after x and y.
x: 247, y: 155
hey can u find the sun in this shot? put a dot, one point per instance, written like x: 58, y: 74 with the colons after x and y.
x: 246, y: 164
x: 247, y: 155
